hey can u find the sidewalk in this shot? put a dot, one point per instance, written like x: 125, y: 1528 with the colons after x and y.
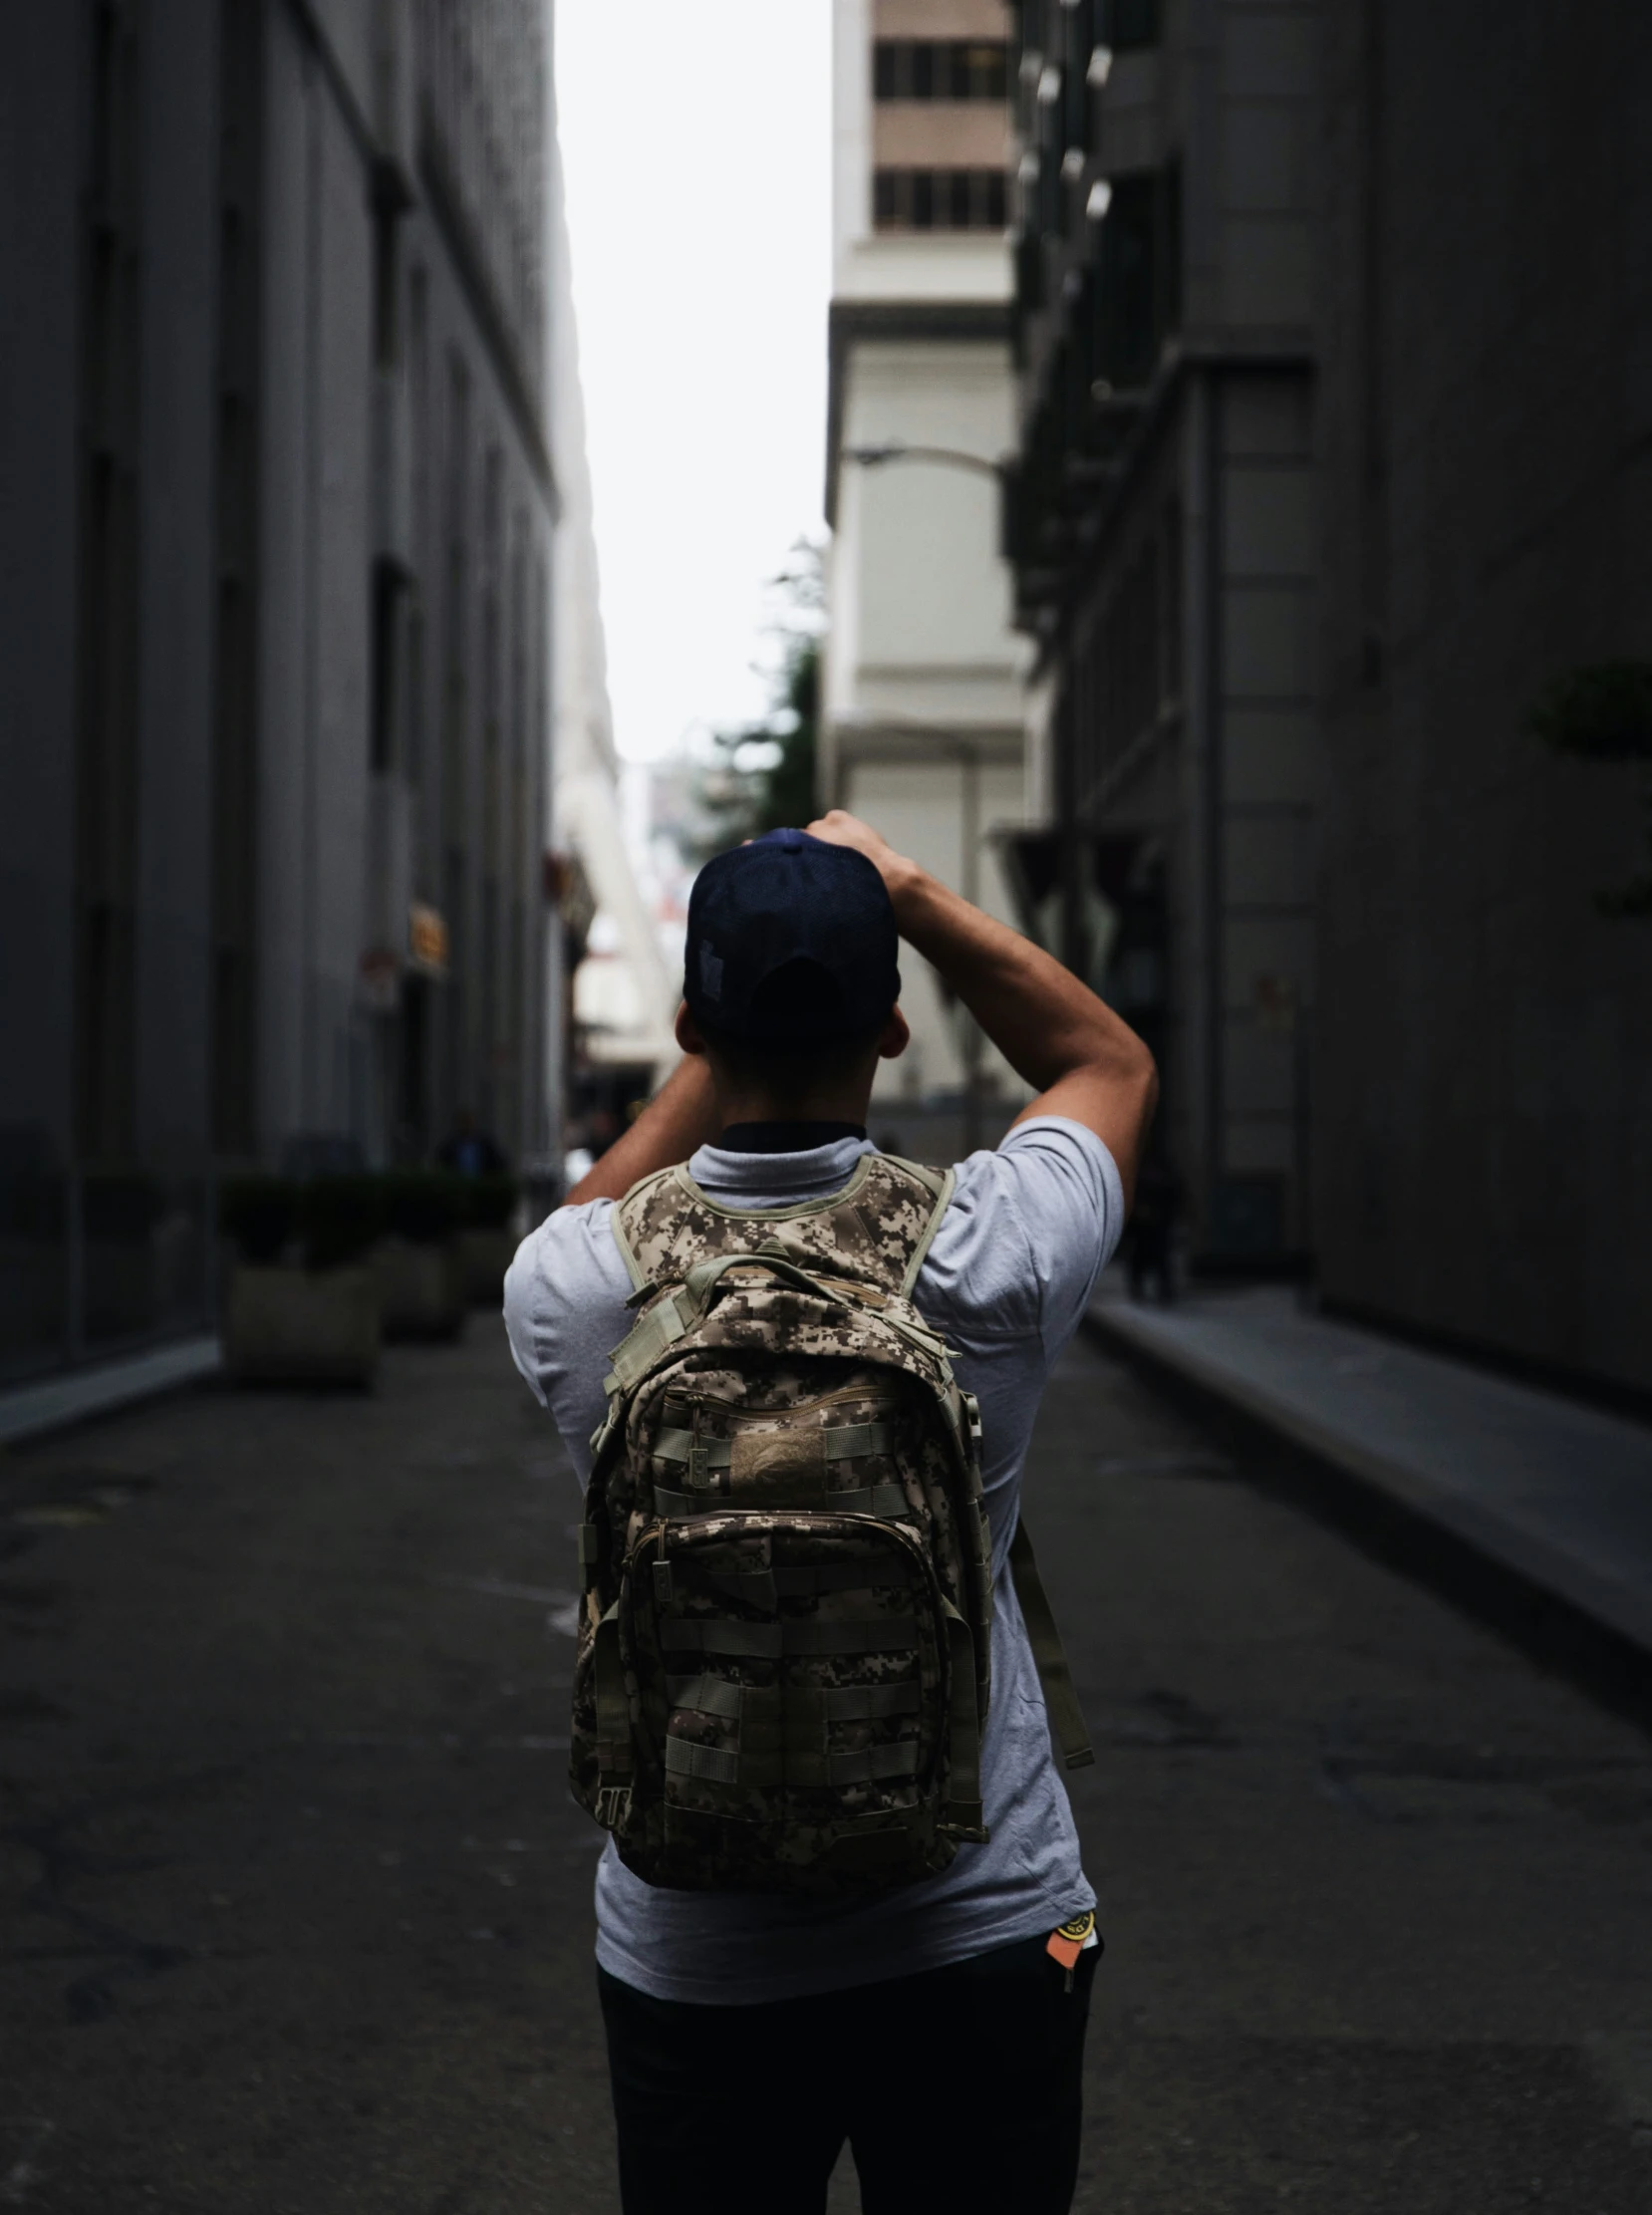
x: 1557, y: 1493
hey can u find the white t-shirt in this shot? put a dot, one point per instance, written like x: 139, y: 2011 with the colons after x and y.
x: 1006, y: 1282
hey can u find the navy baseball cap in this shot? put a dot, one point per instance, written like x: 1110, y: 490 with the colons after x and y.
x: 791, y: 942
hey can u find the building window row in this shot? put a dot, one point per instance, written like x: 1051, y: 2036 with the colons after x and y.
x: 1127, y: 24
x: 482, y: 76
x: 939, y: 199
x: 939, y: 69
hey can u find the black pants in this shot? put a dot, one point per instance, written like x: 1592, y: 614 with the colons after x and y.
x: 957, y: 2090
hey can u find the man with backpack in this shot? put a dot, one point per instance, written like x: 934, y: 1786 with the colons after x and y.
x: 842, y: 1895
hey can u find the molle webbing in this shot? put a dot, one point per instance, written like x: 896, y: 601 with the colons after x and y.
x: 846, y: 1703
x: 887, y: 1501
x: 806, y: 1634
x: 844, y: 1442
x: 765, y: 1587
x: 783, y: 1734
x: 776, y: 1466
x: 717, y: 1765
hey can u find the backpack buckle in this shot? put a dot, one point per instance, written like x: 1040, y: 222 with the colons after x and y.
x: 613, y: 1807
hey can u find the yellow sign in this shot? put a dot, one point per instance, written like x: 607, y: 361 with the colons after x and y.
x: 427, y: 939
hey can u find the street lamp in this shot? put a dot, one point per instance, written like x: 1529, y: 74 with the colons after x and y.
x: 946, y: 458
x: 1001, y: 473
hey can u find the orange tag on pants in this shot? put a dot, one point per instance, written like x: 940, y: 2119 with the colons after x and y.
x: 1067, y: 1943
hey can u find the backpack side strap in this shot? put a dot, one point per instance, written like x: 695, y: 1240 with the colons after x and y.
x: 1060, y: 1700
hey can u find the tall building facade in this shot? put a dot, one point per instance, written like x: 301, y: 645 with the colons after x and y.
x: 921, y: 680
x: 620, y: 998
x: 1484, y: 1065
x: 277, y: 535
x: 1161, y: 521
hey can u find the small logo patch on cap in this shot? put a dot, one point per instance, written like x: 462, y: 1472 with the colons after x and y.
x: 711, y: 972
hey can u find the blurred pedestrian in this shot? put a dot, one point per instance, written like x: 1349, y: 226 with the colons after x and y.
x: 468, y: 1150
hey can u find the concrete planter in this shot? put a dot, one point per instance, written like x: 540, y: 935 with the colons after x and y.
x: 484, y: 1256
x: 301, y: 1327
x: 421, y: 1287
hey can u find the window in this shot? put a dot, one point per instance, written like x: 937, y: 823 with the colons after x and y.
x: 939, y: 69
x: 455, y: 669
x: 107, y: 762
x: 388, y: 592
x: 939, y: 199
x: 419, y: 400
x: 232, y: 1002
x: 1136, y: 296
x: 386, y: 327
x: 1171, y: 682
x: 415, y: 693
x: 981, y: 71
x: 1119, y: 672
x: 1134, y: 23
x: 455, y: 992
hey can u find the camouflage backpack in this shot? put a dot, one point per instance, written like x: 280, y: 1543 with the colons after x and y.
x: 785, y: 1636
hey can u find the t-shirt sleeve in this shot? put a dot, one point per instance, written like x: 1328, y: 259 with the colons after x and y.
x: 1031, y: 1228
x: 565, y: 1297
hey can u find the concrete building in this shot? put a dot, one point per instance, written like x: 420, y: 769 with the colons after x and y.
x: 1162, y: 525
x: 1483, y: 1121
x: 274, y: 693
x: 617, y: 1011
x: 922, y: 709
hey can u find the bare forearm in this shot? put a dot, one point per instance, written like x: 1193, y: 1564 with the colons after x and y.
x: 1041, y: 1018
x: 682, y: 1116
x: 1065, y: 1041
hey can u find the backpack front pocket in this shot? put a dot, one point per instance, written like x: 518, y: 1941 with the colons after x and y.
x: 796, y: 1671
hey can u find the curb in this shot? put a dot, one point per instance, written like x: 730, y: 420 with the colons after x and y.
x: 75, y: 1395
x: 1554, y: 1608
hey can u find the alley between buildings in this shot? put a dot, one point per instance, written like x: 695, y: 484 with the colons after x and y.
x: 297, y: 1911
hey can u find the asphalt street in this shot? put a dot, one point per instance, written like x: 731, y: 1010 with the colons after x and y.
x: 295, y: 1911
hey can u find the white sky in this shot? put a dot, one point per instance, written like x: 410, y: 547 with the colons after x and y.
x: 697, y: 145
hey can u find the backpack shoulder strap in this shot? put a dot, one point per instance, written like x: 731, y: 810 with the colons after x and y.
x: 628, y: 1216
x: 940, y: 1184
x: 878, y: 1227
x: 1060, y: 1700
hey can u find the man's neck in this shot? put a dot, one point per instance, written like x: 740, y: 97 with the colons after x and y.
x: 787, y: 1135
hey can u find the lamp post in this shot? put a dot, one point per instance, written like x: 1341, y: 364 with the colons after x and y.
x: 946, y: 458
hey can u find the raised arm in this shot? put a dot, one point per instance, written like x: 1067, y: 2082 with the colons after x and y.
x: 1082, y: 1059
x: 682, y: 1116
